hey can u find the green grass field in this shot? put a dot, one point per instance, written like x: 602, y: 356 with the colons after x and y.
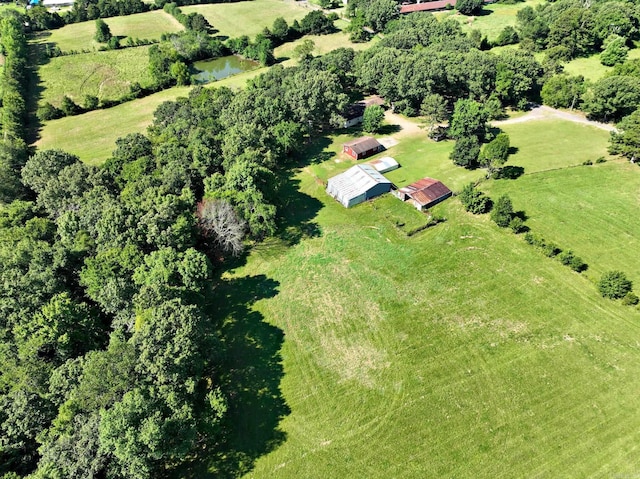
x: 323, y: 44
x: 591, y: 68
x: 79, y: 36
x: 248, y: 18
x: 106, y: 75
x: 493, y: 19
x: 86, y: 136
x: 590, y: 209
x: 461, y: 351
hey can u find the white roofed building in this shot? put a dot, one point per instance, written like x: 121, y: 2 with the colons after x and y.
x: 358, y: 184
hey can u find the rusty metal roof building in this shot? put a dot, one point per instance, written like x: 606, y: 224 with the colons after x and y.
x: 424, y: 193
x: 359, y: 183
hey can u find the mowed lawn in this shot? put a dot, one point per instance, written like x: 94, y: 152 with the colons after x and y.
x: 248, y: 17
x: 92, y: 136
x: 492, y: 20
x: 106, y: 75
x: 323, y: 45
x: 79, y: 36
x: 458, y: 352
x: 591, y: 68
x: 592, y: 210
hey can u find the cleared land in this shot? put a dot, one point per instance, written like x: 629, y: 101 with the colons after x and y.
x: 106, y: 75
x: 591, y: 68
x: 248, y: 18
x: 458, y: 352
x: 79, y: 36
x: 589, y: 209
x: 492, y: 20
x: 323, y: 44
x: 86, y: 136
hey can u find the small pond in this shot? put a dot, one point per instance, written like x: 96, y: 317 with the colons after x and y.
x: 219, y: 68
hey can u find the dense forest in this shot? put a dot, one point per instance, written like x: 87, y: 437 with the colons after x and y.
x: 115, y: 361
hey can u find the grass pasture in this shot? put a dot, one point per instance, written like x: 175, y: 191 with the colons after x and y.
x: 493, y: 18
x: 458, y: 352
x: 79, y: 36
x: 589, y: 209
x: 106, y: 74
x: 86, y: 136
x: 591, y: 68
x: 323, y: 44
x: 250, y: 17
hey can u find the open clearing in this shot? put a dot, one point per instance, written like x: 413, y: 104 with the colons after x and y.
x: 79, y: 36
x: 248, y: 18
x: 461, y: 351
x: 106, y: 75
x: 492, y: 20
x: 591, y: 68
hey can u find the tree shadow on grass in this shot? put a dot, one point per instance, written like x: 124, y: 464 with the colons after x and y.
x: 251, y: 372
x: 315, y: 152
x: 297, y: 211
x: 389, y: 129
x: 509, y: 173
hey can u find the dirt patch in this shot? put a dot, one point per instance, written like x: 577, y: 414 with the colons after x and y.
x: 545, y: 112
x: 388, y: 142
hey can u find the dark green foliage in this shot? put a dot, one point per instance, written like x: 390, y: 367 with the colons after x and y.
x: 49, y: 112
x: 508, y: 36
x: 465, y: 152
x: 69, y: 107
x: 84, y: 10
x: 615, y: 51
x: 469, y: 119
x: 517, y: 225
x: 630, y: 299
x: 502, y: 211
x: 563, y: 91
x: 316, y: 23
x: 103, y: 33
x: 626, y: 141
x: 614, y: 285
x: 469, y: 7
x: 193, y: 21
x: 495, y: 153
x: 372, y: 118
x: 474, y: 201
x: 568, y: 258
x: 377, y: 13
x: 280, y: 30
x: 91, y: 102
x: 613, y: 97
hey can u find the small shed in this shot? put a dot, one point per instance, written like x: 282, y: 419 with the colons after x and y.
x: 384, y: 164
x: 358, y: 184
x: 354, y: 114
x: 362, y: 147
x: 424, y: 193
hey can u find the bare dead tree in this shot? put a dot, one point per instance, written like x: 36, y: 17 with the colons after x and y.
x: 220, y: 224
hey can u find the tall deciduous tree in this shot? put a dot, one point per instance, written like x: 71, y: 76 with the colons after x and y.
x: 103, y: 33
x: 372, y: 118
x: 626, y: 141
x: 495, y: 153
x: 469, y: 119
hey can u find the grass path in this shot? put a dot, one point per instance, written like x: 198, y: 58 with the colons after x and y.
x: 542, y: 112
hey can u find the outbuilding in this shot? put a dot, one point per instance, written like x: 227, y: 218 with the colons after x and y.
x: 358, y: 184
x: 362, y: 147
x: 384, y: 164
x: 424, y: 193
x: 354, y: 115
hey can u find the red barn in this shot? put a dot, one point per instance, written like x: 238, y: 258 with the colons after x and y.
x: 362, y: 147
x: 424, y: 193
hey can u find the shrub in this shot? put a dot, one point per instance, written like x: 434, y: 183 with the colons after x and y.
x: 630, y: 299
x: 49, y: 112
x: 502, y: 212
x: 587, y: 163
x: 474, y: 201
x: 69, y: 107
x: 614, y: 285
x: 601, y: 160
x: 91, y: 102
x: 517, y: 225
x: 568, y: 258
x: 551, y: 249
x: 530, y: 238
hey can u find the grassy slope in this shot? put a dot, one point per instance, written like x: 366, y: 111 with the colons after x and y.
x: 459, y: 352
x: 248, y: 18
x: 106, y: 75
x: 493, y: 19
x: 79, y: 36
x: 591, y: 68
x: 590, y: 209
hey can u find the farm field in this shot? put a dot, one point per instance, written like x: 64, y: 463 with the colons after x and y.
x: 458, y: 352
x: 106, y: 75
x: 86, y: 136
x: 79, y: 36
x: 578, y: 209
x: 492, y: 20
x: 248, y: 18
x: 323, y: 44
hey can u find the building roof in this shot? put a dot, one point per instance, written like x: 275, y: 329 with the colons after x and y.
x: 431, y: 6
x: 355, y: 181
x: 425, y: 191
x: 360, y: 145
x: 384, y: 164
x: 356, y: 110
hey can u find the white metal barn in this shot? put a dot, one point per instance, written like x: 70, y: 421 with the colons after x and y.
x: 358, y: 184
